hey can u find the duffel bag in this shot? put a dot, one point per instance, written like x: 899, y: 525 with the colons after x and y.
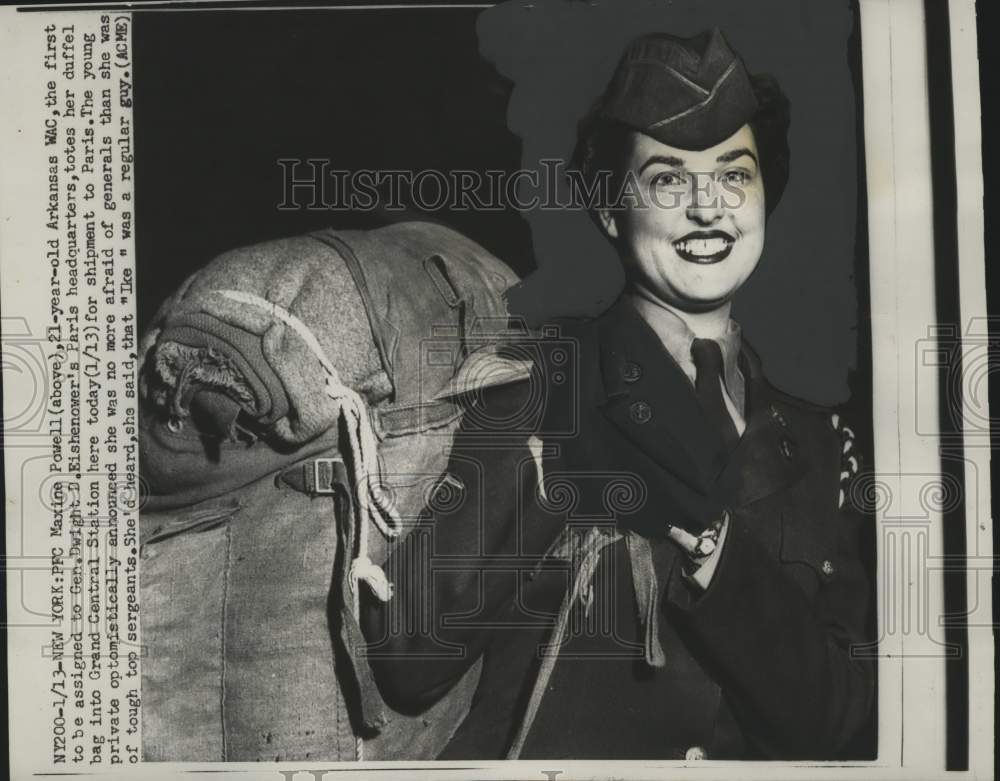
x: 299, y: 399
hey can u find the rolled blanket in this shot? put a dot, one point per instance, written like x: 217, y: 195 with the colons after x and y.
x: 238, y: 364
x: 218, y: 356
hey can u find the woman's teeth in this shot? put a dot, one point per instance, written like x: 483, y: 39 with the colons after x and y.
x: 702, y: 248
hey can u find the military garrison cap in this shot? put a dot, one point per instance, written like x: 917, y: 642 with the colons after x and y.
x: 691, y: 93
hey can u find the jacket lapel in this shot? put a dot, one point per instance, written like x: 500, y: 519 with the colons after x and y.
x: 652, y: 403
x: 648, y: 398
x: 768, y: 457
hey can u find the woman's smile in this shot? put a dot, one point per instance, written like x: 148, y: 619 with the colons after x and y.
x: 704, y: 247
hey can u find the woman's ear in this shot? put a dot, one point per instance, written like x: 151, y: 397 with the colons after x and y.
x: 607, y: 219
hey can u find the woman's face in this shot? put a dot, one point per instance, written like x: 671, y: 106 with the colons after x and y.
x: 694, y: 231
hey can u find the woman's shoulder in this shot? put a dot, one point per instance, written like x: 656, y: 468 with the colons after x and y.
x: 826, y: 431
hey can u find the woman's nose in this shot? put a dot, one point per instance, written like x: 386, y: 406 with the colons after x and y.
x: 704, y: 201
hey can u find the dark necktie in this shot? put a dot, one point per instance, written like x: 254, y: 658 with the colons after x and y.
x: 707, y: 357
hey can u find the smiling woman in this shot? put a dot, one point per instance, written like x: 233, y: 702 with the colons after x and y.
x: 713, y: 611
x: 698, y: 209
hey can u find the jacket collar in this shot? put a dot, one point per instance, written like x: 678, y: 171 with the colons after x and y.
x: 651, y: 401
x: 678, y: 338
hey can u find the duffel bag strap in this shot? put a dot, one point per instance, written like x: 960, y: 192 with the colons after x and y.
x: 326, y: 475
x: 343, y: 249
x: 372, y: 504
x: 585, y: 557
x: 317, y: 476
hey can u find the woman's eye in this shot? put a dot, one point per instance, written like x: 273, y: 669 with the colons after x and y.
x: 735, y: 177
x: 668, y: 179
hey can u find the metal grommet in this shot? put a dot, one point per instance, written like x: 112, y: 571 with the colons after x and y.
x: 174, y: 424
x: 827, y: 567
x: 640, y: 412
x: 786, y: 449
x: 631, y: 372
x: 695, y: 753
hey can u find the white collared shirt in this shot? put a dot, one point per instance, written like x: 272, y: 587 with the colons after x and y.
x: 677, y: 338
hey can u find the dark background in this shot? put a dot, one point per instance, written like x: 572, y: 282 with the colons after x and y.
x: 220, y: 97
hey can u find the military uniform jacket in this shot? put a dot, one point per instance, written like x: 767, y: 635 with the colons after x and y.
x: 773, y: 660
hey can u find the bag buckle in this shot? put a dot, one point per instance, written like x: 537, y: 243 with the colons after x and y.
x: 319, y: 486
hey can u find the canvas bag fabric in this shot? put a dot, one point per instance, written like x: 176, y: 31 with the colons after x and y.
x: 238, y: 570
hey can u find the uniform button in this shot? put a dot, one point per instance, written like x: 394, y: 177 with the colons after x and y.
x: 640, y: 412
x: 631, y: 372
x: 695, y: 752
x: 786, y: 449
x: 827, y: 567
x: 778, y: 417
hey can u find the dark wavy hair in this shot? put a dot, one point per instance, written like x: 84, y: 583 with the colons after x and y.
x: 603, y: 144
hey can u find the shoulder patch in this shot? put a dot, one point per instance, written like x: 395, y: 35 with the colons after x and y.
x: 850, y: 463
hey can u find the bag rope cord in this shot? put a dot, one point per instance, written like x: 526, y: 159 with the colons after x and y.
x: 591, y: 548
x: 374, y: 505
